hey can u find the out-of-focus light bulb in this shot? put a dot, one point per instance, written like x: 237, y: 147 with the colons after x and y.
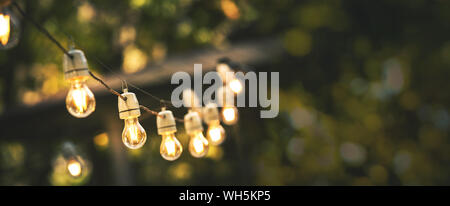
x: 235, y: 86
x: 9, y: 29
x: 229, y: 114
x: 5, y: 21
x: 198, y: 145
x: 215, y: 133
x: 170, y: 148
x: 80, y: 101
x: 72, y: 163
x: 133, y: 135
x: 74, y: 168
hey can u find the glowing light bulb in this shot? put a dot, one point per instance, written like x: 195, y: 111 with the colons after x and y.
x: 74, y: 168
x: 133, y: 135
x: 80, y: 101
x: 9, y: 30
x: 171, y: 148
x: 229, y: 115
x: 235, y: 86
x: 216, y: 134
x: 198, y: 146
x: 5, y: 21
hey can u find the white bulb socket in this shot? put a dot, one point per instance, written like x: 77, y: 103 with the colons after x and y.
x: 165, y: 122
x: 211, y: 113
x: 75, y: 65
x: 192, y: 122
x: 130, y: 108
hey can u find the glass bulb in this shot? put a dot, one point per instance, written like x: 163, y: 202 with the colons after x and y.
x: 74, y: 168
x: 80, y: 101
x: 9, y: 30
x: 171, y: 148
x: 235, y: 86
x: 133, y: 135
x: 216, y: 134
x: 198, y: 146
x: 229, y: 115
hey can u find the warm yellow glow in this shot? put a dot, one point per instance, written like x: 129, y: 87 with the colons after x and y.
x: 230, y: 9
x: 198, y: 146
x: 74, y: 168
x: 134, y: 59
x: 101, y: 140
x: 229, y: 114
x: 80, y: 101
x: 4, y: 28
x: 171, y: 148
x: 133, y: 135
x: 236, y: 86
x: 216, y: 134
x: 85, y: 12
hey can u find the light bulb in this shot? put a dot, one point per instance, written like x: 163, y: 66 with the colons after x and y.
x: 216, y: 134
x: 171, y: 148
x: 9, y: 30
x: 198, y: 146
x: 229, y: 114
x: 133, y: 135
x: 74, y: 167
x: 235, y: 86
x: 80, y: 101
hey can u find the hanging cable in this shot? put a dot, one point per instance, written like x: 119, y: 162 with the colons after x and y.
x: 112, y: 91
x: 40, y: 28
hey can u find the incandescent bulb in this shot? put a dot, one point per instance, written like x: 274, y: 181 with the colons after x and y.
x: 5, y: 21
x: 229, y: 115
x: 80, y: 101
x: 9, y: 30
x: 171, y: 148
x: 198, y: 146
x: 74, y: 168
x: 235, y: 86
x: 133, y: 135
x: 216, y: 134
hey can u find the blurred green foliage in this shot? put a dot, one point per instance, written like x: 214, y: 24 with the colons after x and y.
x: 364, y: 88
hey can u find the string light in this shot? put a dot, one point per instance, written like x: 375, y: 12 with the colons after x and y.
x: 133, y: 135
x: 74, y: 168
x: 229, y: 112
x: 80, y: 101
x: 215, y: 133
x: 228, y: 76
x: 74, y: 163
x: 170, y: 148
x: 9, y: 29
x: 198, y: 145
